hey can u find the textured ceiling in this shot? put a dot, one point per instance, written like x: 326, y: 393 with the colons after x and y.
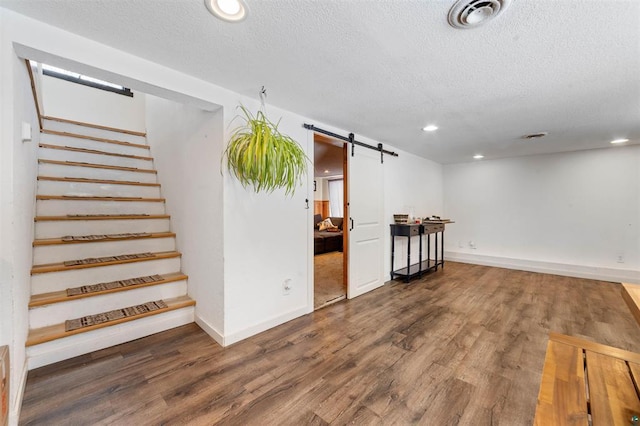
x: 385, y: 68
x: 327, y: 157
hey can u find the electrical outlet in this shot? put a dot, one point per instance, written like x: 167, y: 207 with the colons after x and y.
x: 472, y: 245
x: 460, y: 244
x: 287, y: 286
x: 620, y: 258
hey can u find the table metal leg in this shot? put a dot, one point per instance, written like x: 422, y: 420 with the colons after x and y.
x: 393, y: 250
x: 428, y: 251
x: 442, y: 247
x: 408, y: 260
x: 436, y: 251
x: 419, y: 255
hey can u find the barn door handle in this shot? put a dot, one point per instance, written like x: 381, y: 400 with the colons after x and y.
x: 351, y: 226
x: 306, y: 200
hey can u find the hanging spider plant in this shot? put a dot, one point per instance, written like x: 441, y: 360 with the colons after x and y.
x: 260, y: 156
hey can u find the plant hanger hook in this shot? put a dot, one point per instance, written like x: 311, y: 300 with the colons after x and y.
x: 263, y: 96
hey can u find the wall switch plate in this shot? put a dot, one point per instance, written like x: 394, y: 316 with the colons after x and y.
x: 26, y: 131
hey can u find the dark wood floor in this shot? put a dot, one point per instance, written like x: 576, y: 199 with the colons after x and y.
x: 461, y: 346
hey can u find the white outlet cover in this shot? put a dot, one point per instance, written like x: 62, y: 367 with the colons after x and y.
x: 286, y: 286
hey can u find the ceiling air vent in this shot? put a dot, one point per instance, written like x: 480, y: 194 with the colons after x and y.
x: 472, y: 13
x: 535, y: 135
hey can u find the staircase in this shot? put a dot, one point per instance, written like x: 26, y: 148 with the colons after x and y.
x: 103, y: 247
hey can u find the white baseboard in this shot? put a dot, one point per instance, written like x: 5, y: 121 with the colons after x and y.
x: 14, y: 413
x: 569, y: 270
x: 265, y: 325
x: 210, y: 330
x: 79, y: 344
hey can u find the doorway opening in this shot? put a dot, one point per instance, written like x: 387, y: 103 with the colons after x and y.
x: 330, y: 221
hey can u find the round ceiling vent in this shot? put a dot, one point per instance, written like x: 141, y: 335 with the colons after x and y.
x: 472, y: 13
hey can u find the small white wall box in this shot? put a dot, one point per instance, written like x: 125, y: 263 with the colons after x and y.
x: 4, y: 385
x: 26, y: 131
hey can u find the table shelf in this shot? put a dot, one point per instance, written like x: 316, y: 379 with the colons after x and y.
x: 418, y: 268
x: 423, y: 265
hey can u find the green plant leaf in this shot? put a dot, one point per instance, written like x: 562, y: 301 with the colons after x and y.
x: 258, y: 155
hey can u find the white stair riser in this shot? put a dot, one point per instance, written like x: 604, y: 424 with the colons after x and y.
x: 56, y: 229
x: 69, y: 347
x: 75, y: 207
x: 43, y: 255
x: 89, y: 131
x: 57, y: 281
x: 92, y: 144
x: 84, y: 157
x: 57, y: 170
x: 52, y: 187
x: 56, y: 313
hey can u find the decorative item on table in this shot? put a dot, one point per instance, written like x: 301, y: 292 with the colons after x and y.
x: 401, y: 218
x: 436, y: 219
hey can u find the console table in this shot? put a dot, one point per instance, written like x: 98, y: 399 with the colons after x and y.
x: 426, y: 229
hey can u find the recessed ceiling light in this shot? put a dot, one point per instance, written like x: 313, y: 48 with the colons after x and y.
x: 326, y: 171
x: 619, y: 141
x: 228, y: 10
x: 430, y: 128
x: 478, y: 156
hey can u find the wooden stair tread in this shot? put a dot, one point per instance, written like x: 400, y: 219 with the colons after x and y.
x: 61, y: 296
x: 60, y: 266
x: 54, y: 241
x: 94, y: 151
x: 105, y: 217
x: 101, y: 181
x: 57, y: 331
x: 96, y: 166
x: 96, y: 198
x: 95, y: 126
x: 94, y: 138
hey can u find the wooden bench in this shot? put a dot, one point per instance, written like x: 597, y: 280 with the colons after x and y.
x: 631, y: 295
x: 587, y: 383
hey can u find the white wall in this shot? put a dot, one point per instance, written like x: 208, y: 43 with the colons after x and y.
x: 257, y: 258
x: 267, y: 241
x: 571, y: 213
x: 106, y: 108
x: 186, y: 143
x: 413, y: 186
x: 17, y: 208
x: 267, y: 237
